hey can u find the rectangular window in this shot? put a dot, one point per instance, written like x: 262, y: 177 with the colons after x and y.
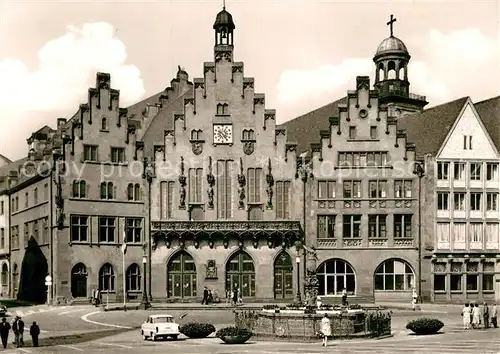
x: 443, y: 170
x: 352, y: 189
x: 79, y: 189
x: 90, y: 153
x: 26, y: 200
x: 283, y: 200
x: 133, y: 230
x: 46, y: 191
x: 2, y: 238
x: 475, y: 201
x: 79, y: 228
x: 326, y: 226
x: 352, y: 132
x: 35, y: 196
x: 491, y: 171
x: 351, y: 226
x: 488, y: 276
x: 224, y: 189
x: 491, y: 232
x: 195, y: 184
x: 107, y: 229
x: 36, y: 235
x: 117, y: 155
x: 403, y: 188
x: 14, y: 237
x: 377, y: 227
x: 326, y: 189
x: 459, y: 171
x: 475, y: 171
x: 459, y: 201
x: 476, y: 232
x: 443, y: 201
x: 402, y: 226
x: 377, y: 189
x: 492, y: 201
x: 373, y: 133
x: 167, y: 202
x: 2, y: 211
x: 456, y: 282
x: 439, y: 282
x: 254, y: 182
x: 363, y: 159
x: 443, y: 232
x: 26, y: 233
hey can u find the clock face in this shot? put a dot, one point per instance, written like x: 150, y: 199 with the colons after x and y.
x: 223, y: 134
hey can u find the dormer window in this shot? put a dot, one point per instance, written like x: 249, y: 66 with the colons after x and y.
x: 196, y: 134
x: 104, y: 124
x: 248, y: 134
x: 222, y: 109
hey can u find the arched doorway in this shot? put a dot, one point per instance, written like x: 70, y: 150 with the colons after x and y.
x: 5, y: 280
x: 240, y: 274
x: 394, y: 275
x: 79, y: 280
x: 181, y: 276
x: 334, y: 275
x: 283, y: 276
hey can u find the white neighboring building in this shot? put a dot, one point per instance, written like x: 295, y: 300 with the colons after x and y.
x: 4, y: 230
x: 459, y: 142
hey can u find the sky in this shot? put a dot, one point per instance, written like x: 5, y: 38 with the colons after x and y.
x: 303, y: 54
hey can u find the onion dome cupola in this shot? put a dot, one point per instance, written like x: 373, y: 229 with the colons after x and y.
x: 224, y: 28
x: 391, y: 76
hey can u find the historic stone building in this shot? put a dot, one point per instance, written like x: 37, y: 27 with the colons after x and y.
x: 224, y: 212
x: 4, y: 228
x: 459, y: 143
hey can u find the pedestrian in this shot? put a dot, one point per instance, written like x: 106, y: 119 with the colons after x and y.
x: 205, y: 296
x: 466, y: 314
x: 4, y: 332
x: 20, y: 328
x: 344, y: 297
x: 97, y: 297
x: 210, y: 298
x: 476, y: 316
x: 326, y: 329
x: 414, y: 298
x: 235, y: 296
x: 494, y: 315
x: 486, y: 315
x: 92, y: 297
x: 34, y: 332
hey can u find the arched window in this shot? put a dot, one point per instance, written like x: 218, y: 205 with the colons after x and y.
x: 381, y: 74
x: 79, y: 189
x: 104, y: 124
x: 283, y: 276
x: 181, y: 275
x: 107, y: 190
x: 134, y: 191
x: 240, y: 274
x: 133, y: 278
x: 248, y: 135
x: 401, y: 73
x: 5, y: 275
x: 334, y: 275
x: 391, y: 70
x: 394, y: 275
x: 196, y: 134
x: 106, y: 278
x: 79, y: 281
x: 222, y: 109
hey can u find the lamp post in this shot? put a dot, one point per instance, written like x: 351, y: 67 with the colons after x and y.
x: 418, y: 170
x: 298, y: 299
x: 149, y: 174
x: 144, y: 303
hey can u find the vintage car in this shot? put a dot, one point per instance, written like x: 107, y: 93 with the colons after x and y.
x: 159, y: 326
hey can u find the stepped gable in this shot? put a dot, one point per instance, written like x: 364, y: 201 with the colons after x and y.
x: 306, y: 128
x: 428, y: 129
x: 489, y: 111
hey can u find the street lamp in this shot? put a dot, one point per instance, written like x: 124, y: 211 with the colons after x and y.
x: 149, y: 174
x: 298, y: 300
x: 144, y: 303
x: 418, y: 170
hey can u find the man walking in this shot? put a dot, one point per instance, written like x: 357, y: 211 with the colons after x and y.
x: 20, y: 329
x: 4, y: 332
x: 204, y: 301
x: 34, y: 332
x: 486, y: 315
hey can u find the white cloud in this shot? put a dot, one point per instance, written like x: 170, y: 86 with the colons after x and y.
x: 450, y: 65
x: 66, y: 68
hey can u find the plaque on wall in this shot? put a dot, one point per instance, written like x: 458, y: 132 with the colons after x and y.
x: 211, y: 269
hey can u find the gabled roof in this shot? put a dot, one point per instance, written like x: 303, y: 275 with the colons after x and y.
x: 429, y: 129
x: 489, y: 111
x: 306, y: 128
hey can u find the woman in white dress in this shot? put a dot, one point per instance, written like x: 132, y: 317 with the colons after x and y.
x: 476, y: 316
x: 466, y: 314
x: 326, y: 329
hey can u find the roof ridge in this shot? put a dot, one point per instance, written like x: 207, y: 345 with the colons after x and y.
x: 486, y: 100
x: 444, y: 104
x: 315, y: 110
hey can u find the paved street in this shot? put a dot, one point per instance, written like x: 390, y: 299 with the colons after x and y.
x: 473, y: 342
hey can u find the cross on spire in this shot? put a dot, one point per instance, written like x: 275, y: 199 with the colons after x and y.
x: 391, y: 23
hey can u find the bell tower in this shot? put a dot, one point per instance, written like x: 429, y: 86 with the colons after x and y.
x: 224, y: 28
x: 391, y: 76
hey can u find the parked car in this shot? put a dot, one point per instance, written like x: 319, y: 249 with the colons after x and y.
x: 3, y: 310
x: 160, y: 326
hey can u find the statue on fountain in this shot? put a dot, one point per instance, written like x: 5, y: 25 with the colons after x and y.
x: 311, y: 282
